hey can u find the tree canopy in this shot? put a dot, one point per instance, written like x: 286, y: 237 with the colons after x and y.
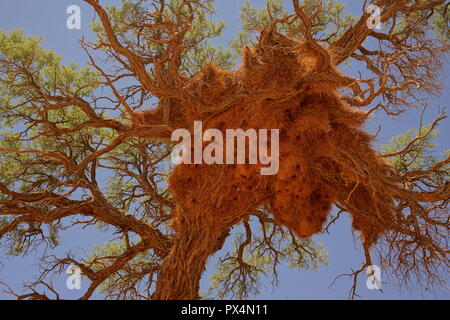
x: 153, y: 68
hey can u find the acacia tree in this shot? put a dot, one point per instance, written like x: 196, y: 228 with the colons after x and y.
x: 152, y: 70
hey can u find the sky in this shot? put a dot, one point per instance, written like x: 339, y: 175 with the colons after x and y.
x: 47, y: 18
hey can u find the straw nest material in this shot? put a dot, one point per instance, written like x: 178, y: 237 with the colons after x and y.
x: 326, y: 156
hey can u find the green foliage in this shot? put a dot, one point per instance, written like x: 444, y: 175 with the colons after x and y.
x: 28, y: 70
x: 126, y: 276
x: 240, y: 276
x: 199, y: 49
x: 330, y: 24
x: 122, y: 190
x: 28, y: 73
x: 435, y: 22
x: 440, y: 23
x: 415, y: 150
x: 420, y: 153
x: 25, y: 237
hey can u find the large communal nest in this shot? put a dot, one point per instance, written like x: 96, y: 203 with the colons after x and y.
x: 325, y: 156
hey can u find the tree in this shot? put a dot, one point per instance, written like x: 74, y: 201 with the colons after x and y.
x: 65, y: 125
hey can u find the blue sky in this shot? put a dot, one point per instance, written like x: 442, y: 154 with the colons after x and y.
x: 47, y: 18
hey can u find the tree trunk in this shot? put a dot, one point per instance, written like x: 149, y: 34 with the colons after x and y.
x: 181, y: 271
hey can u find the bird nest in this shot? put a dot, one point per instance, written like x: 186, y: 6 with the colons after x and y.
x: 326, y: 156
